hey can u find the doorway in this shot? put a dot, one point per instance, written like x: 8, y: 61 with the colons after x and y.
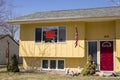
x: 106, y: 56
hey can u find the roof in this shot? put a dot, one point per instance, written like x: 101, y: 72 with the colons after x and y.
x: 3, y: 36
x: 70, y: 14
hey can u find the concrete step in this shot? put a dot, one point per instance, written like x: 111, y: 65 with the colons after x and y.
x: 105, y: 73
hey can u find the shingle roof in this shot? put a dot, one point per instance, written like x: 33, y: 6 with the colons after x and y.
x: 3, y: 36
x: 66, y: 14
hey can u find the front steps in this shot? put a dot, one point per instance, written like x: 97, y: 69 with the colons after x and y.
x: 105, y: 73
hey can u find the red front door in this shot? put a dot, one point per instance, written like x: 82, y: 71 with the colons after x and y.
x: 106, y: 55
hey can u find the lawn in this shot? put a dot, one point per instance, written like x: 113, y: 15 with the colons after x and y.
x: 23, y: 75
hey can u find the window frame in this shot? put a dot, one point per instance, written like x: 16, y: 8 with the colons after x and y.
x: 58, y: 64
x: 57, y: 35
x: 42, y: 63
x: 49, y: 64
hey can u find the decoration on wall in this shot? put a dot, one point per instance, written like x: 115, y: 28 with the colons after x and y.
x: 76, y: 38
x: 106, y: 36
x: 50, y: 34
x: 106, y: 44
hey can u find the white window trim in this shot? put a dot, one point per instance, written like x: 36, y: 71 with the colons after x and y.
x: 49, y: 64
x: 42, y: 65
x: 57, y: 35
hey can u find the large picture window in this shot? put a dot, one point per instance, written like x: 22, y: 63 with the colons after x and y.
x: 50, y: 34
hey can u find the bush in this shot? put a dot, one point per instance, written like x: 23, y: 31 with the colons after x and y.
x: 89, y: 67
x: 13, y: 67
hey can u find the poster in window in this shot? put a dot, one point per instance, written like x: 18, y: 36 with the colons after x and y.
x: 50, y: 34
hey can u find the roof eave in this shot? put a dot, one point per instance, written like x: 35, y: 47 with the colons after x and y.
x: 86, y: 19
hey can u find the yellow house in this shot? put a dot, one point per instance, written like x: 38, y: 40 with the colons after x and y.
x: 47, y: 39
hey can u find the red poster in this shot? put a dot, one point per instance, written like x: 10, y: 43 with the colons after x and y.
x: 50, y: 34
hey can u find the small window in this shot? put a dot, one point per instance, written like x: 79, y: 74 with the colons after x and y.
x: 60, y: 64
x: 106, y: 44
x: 52, y: 64
x: 62, y: 34
x: 38, y: 33
x: 45, y: 64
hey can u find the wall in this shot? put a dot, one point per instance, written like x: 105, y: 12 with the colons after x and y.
x: 29, y: 48
x: 117, y: 48
x: 107, y: 30
x: 100, y: 30
x: 34, y: 63
x: 13, y: 49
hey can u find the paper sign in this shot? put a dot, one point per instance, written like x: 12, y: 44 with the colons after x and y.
x: 50, y: 34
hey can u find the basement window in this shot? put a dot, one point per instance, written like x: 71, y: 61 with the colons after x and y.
x: 53, y: 64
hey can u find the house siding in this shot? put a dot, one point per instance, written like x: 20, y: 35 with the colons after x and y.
x: 98, y: 30
x: 117, y: 47
x: 74, y: 57
x: 29, y: 48
x: 34, y: 63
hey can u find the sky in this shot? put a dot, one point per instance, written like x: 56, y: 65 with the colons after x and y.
x: 24, y: 7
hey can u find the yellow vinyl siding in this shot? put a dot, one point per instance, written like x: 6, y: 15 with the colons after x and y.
x: 118, y: 38
x: 98, y: 30
x: 66, y: 50
x: 28, y: 46
x: 117, y: 47
x: 32, y: 63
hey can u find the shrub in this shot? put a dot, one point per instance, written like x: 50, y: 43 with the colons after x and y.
x: 89, y: 68
x: 13, y: 67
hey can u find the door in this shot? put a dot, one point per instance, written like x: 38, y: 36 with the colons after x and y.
x: 106, y: 55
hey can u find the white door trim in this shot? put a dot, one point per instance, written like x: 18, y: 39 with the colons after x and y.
x: 98, y: 51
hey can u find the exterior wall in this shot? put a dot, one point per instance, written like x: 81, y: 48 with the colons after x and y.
x: 100, y: 30
x: 34, y: 63
x: 13, y: 49
x: 29, y: 48
x: 31, y: 51
x: 117, y: 48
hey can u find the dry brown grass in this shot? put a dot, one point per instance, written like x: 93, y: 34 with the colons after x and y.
x: 24, y: 75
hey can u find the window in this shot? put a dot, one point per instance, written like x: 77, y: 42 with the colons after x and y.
x: 62, y: 34
x: 60, y: 64
x: 45, y: 64
x: 38, y: 32
x: 106, y: 44
x: 50, y: 34
x: 53, y: 64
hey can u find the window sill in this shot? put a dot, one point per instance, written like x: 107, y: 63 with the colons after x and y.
x: 44, y: 69
x: 50, y: 43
